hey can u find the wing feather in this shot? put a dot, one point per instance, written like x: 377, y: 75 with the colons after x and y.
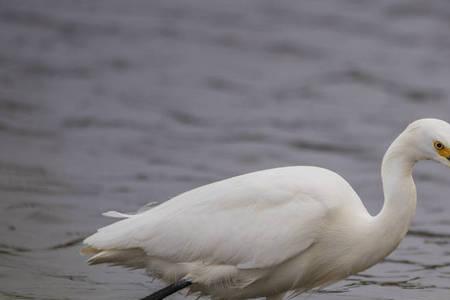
x: 248, y: 221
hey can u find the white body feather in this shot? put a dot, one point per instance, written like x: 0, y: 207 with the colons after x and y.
x: 264, y: 233
x: 240, y: 230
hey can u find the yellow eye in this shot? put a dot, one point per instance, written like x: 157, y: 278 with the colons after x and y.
x: 438, y: 145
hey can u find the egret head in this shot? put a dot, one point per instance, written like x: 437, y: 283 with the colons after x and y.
x: 431, y: 138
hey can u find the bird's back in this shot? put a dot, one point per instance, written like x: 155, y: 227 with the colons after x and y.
x: 266, y: 186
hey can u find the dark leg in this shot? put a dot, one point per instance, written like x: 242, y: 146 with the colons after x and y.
x: 168, y: 290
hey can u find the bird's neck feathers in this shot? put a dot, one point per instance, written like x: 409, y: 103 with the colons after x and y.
x: 393, y: 221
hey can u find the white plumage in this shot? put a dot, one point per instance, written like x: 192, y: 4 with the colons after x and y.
x: 272, y: 231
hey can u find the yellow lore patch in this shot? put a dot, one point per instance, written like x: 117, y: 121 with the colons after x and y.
x: 444, y: 152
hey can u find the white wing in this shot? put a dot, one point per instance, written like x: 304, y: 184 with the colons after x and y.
x: 251, y: 221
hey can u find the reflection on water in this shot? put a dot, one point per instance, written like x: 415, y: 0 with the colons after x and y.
x: 109, y: 105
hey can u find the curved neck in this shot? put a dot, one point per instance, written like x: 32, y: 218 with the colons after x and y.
x: 393, y: 221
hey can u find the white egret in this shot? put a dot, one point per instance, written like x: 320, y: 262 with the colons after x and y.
x: 270, y: 232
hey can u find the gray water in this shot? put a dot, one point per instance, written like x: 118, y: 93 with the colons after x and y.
x: 112, y: 104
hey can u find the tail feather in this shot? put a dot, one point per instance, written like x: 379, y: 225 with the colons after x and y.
x: 89, y: 250
x: 134, y: 258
